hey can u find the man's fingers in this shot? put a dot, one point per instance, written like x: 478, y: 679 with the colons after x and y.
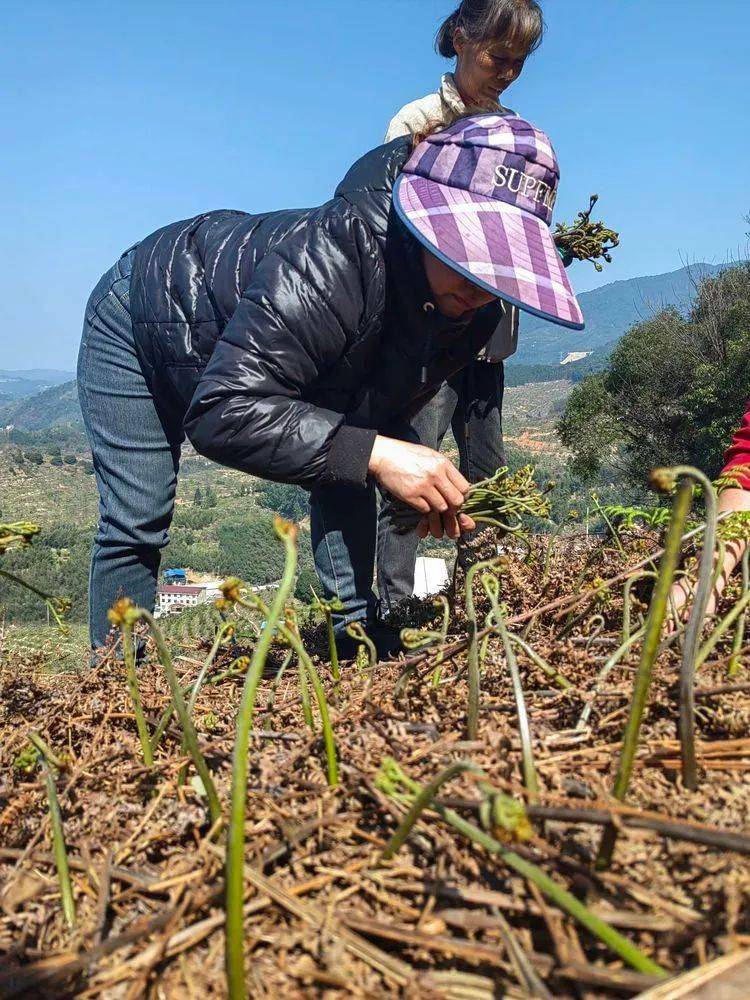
x: 466, y: 523
x: 459, y: 481
x: 436, y: 524
x: 436, y: 500
x: 453, y: 524
x: 450, y: 523
x: 453, y: 496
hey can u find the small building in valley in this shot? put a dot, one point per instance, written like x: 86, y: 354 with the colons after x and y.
x: 171, y: 598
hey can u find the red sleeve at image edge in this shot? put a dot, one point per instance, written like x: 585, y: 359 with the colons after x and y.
x: 738, y: 452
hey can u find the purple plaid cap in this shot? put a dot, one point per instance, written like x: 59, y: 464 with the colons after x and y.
x: 479, y: 195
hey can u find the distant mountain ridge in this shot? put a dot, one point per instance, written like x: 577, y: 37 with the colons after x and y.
x: 17, y: 384
x: 609, y: 311
x: 56, y: 406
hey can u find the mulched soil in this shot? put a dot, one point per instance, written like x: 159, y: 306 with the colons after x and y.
x: 325, y: 917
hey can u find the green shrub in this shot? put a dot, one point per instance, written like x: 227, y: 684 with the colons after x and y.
x: 307, y: 581
x: 196, y: 518
x: 292, y: 502
x: 249, y: 549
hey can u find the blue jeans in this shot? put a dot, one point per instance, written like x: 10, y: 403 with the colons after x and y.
x: 343, y: 524
x: 136, y: 457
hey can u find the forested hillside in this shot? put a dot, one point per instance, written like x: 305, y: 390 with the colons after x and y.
x: 674, y: 391
x: 609, y: 311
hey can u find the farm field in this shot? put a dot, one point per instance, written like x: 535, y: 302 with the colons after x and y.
x: 49, y: 493
x: 529, y: 416
x: 462, y: 908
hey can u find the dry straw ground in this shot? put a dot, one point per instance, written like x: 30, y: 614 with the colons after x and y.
x: 324, y: 914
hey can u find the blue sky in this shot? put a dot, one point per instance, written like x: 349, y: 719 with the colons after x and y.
x: 119, y: 118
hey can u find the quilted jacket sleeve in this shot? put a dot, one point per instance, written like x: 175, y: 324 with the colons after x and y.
x: 306, y: 299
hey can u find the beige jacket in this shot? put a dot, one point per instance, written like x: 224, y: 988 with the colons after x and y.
x: 429, y: 111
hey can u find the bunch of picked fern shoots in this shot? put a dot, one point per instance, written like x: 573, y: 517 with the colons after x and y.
x: 501, y: 501
x: 504, y: 500
x: 585, y: 240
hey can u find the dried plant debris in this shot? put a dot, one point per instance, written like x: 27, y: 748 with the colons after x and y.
x: 453, y: 912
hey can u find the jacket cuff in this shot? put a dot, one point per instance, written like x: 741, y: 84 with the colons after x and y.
x: 349, y: 456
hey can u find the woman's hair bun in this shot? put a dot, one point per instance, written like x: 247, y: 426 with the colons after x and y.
x: 487, y: 21
x: 444, y: 37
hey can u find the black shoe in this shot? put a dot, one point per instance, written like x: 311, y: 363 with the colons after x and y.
x: 386, y: 638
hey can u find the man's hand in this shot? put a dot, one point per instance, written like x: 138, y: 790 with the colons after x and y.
x: 425, y: 480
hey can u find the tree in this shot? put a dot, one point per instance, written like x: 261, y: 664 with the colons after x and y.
x: 307, y: 581
x: 197, y: 496
x: 292, y: 502
x: 249, y: 548
x: 209, y: 497
x: 69, y: 459
x: 674, y: 390
x: 56, y: 460
x: 196, y: 518
x: 34, y: 455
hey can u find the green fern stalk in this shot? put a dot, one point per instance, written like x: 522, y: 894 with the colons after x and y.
x: 565, y: 900
x: 472, y: 709
x: 356, y: 630
x: 235, y: 849
x: 188, y: 729
x: 555, y: 676
x: 530, y: 778
x: 694, y: 626
x: 307, y: 667
x: 423, y: 800
x: 652, y: 635
x: 128, y: 655
x: 49, y: 763
x: 739, y: 635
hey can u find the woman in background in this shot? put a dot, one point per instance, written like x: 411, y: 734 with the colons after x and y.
x: 490, y: 41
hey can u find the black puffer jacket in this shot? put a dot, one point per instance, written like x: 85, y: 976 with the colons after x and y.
x: 283, y: 342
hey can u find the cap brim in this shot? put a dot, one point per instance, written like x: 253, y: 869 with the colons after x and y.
x: 499, y: 247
